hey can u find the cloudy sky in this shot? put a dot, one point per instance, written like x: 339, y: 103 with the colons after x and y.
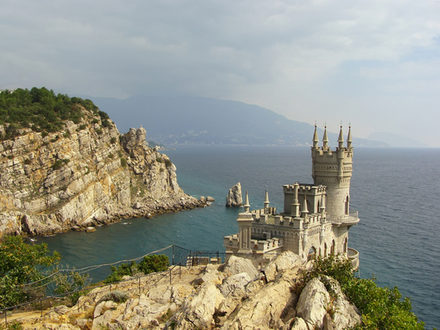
x: 373, y: 63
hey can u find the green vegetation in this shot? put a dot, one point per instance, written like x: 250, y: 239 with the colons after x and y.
x: 116, y: 296
x: 148, y: 264
x: 381, y: 308
x: 72, y: 285
x: 22, y: 263
x: 42, y: 110
x: 59, y: 163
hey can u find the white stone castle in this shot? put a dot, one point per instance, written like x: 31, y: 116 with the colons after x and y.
x: 316, y: 217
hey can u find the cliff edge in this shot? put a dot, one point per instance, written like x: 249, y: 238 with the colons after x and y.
x: 230, y: 296
x: 84, y: 174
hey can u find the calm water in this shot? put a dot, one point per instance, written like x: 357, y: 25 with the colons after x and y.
x: 395, y: 190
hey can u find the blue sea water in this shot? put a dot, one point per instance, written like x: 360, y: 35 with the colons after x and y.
x: 396, y: 192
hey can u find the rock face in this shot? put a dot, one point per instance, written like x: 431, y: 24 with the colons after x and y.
x: 87, y: 174
x: 207, y: 297
x: 234, y: 197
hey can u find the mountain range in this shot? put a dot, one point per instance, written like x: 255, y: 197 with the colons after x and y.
x: 172, y: 120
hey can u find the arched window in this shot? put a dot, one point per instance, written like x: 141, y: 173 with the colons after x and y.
x: 347, y: 205
x: 312, y: 253
x: 325, y: 249
x: 332, y: 249
x: 346, y: 245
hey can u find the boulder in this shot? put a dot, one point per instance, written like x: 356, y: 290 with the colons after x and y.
x: 286, y: 260
x: 234, y: 197
x: 198, y: 312
x: 313, y: 303
x: 344, y: 314
x: 236, y: 265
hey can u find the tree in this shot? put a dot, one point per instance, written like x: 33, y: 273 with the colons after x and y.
x: 21, y: 263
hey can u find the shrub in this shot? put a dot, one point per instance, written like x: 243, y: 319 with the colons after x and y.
x: 154, y: 263
x: 123, y: 162
x: 168, y: 162
x: 116, y: 296
x: 381, y: 308
x: 149, y: 264
x: 59, y: 163
x: 113, y: 140
x: 71, y: 284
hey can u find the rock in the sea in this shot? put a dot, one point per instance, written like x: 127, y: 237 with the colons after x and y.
x: 234, y: 197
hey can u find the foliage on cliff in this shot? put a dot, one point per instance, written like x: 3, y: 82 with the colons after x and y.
x: 381, y: 308
x: 41, y: 110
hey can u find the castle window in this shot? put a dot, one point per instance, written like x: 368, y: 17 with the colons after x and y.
x: 347, y: 205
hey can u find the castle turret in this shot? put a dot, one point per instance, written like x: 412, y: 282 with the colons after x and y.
x: 266, y: 203
x: 325, y: 139
x: 333, y: 168
x: 349, y: 139
x: 246, y: 205
x: 315, y: 138
x: 340, y: 138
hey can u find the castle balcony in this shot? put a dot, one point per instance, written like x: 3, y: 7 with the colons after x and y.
x: 346, y: 220
x: 353, y: 256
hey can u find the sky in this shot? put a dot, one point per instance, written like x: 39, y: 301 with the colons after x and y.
x: 374, y: 64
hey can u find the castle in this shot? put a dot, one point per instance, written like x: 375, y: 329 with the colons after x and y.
x: 316, y: 217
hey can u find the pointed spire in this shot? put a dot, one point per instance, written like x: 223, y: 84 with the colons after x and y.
x: 266, y: 200
x: 349, y: 140
x: 340, y: 138
x: 325, y: 139
x: 304, y: 210
x: 246, y: 203
x: 315, y: 138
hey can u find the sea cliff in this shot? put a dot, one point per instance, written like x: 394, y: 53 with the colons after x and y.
x: 83, y: 175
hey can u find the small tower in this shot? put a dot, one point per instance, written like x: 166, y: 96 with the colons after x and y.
x: 244, y: 221
x: 266, y: 203
x: 315, y: 138
x: 246, y: 205
x: 333, y: 168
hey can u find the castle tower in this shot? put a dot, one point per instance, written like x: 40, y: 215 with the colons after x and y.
x: 333, y: 168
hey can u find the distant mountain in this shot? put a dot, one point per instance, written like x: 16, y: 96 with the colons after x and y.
x: 396, y: 140
x: 173, y: 120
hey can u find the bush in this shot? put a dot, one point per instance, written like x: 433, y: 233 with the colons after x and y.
x: 381, y: 308
x: 149, y: 264
x: 154, y: 263
x: 59, y: 163
x: 71, y: 284
x: 123, y: 162
x: 116, y: 296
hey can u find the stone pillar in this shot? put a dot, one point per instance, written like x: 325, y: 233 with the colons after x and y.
x: 245, y: 230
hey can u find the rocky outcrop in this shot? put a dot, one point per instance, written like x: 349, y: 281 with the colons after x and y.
x: 206, y: 297
x: 85, y: 175
x: 234, y: 197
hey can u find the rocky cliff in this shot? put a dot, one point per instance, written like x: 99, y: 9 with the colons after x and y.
x: 230, y: 296
x: 84, y: 175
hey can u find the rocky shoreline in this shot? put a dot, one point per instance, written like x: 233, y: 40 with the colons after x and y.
x: 86, y: 175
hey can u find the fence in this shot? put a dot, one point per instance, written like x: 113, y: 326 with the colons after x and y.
x: 177, y: 255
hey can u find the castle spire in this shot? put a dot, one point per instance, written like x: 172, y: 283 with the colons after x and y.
x: 325, y: 139
x: 246, y: 203
x: 349, y: 140
x: 315, y: 138
x: 340, y: 138
x: 304, y: 210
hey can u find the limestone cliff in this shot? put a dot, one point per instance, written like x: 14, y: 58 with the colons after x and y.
x: 85, y: 174
x: 230, y: 296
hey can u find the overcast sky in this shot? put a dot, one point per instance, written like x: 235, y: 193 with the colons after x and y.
x: 373, y: 63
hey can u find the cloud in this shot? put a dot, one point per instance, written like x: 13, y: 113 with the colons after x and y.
x: 305, y: 59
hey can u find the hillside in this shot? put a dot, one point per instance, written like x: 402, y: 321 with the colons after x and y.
x: 64, y: 165
x: 196, y: 120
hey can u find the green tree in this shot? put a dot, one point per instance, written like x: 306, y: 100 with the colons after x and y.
x: 21, y: 263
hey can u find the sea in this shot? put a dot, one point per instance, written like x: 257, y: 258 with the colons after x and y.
x: 396, y: 191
